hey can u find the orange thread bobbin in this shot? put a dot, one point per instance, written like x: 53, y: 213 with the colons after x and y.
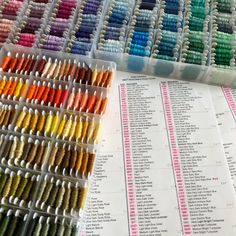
x: 7, y: 87
x: 40, y: 92
x: 57, y: 98
x: 84, y: 101
x: 45, y: 95
x: 31, y: 91
x: 6, y: 62
x: 91, y: 103
x: 13, y: 87
x: 13, y: 64
x: 103, y: 106
x: 20, y: 63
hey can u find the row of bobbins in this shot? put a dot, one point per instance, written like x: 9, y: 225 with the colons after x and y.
x: 80, y: 97
x: 47, y: 225
x: 18, y: 187
x: 34, y: 153
x: 58, y: 95
x: 85, y: 29
x: 196, y: 33
x: 223, y: 48
x: 141, y: 31
x: 112, y: 36
x: 170, y: 23
x: 54, y: 35
x: 57, y: 69
x: 14, y: 221
x: 45, y: 193
x: 27, y: 30
x: 51, y: 123
x: 9, y: 11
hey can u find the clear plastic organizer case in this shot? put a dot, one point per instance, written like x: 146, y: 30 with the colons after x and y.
x: 51, y: 108
x: 179, y: 65
x: 81, y: 37
x: 10, y: 18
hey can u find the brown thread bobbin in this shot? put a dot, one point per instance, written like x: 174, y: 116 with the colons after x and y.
x: 27, y: 149
x: 7, y: 117
x: 30, y: 66
x: 7, y: 147
x: 79, y: 160
x: 40, y: 66
x: 45, y: 154
x: 84, y: 164
x: 81, y: 75
x: 90, y: 164
x: 73, y: 159
x: 60, y: 155
x: 88, y: 75
x: 66, y: 159
x: 53, y: 154
x: 40, y: 152
x: 3, y: 113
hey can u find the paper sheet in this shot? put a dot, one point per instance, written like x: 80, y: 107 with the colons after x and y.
x: 224, y: 100
x: 161, y: 168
